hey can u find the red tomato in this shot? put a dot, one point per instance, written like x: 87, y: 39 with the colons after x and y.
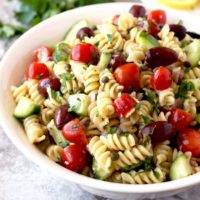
x: 156, y: 19
x: 37, y: 70
x: 74, y: 157
x: 180, y: 119
x: 161, y: 78
x: 189, y: 140
x: 124, y: 104
x: 128, y: 75
x: 115, y: 19
x: 73, y: 132
x: 42, y: 54
x: 85, y: 52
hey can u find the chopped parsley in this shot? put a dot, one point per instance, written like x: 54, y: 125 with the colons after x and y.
x: 126, y: 134
x: 146, y: 119
x: 54, y: 94
x: 148, y: 163
x: 157, y: 174
x: 110, y: 38
x: 149, y: 96
x: 184, y: 88
x: 112, y: 130
x: 97, y: 114
x: 38, y: 76
x: 66, y: 77
x: 137, y: 107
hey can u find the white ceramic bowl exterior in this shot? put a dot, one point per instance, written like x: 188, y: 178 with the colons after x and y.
x: 11, y: 72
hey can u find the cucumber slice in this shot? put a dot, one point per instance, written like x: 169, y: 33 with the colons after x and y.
x: 101, y: 173
x: 148, y: 41
x: 104, y: 60
x: 57, y: 135
x: 79, y: 103
x: 180, y: 168
x: 25, y: 108
x: 193, y: 52
x: 71, y: 34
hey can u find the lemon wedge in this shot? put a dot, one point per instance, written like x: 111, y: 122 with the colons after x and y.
x: 180, y: 4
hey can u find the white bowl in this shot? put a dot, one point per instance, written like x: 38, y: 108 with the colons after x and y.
x: 11, y: 72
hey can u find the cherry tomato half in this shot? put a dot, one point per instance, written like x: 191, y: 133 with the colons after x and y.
x: 74, y: 157
x: 73, y: 132
x: 128, y: 75
x: 85, y: 52
x: 180, y: 119
x: 42, y: 54
x: 115, y: 19
x: 189, y: 140
x: 156, y: 19
x: 124, y: 105
x: 161, y: 78
x: 37, y: 70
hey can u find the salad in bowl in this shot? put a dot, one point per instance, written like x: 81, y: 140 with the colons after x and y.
x: 116, y: 101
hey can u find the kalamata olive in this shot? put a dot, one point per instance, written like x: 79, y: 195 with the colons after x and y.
x: 62, y: 116
x: 137, y: 11
x: 85, y: 31
x: 159, y: 131
x: 179, y: 30
x: 160, y: 56
x: 53, y: 83
x: 116, y: 60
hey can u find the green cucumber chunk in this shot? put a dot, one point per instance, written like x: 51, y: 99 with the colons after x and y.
x: 104, y: 60
x: 101, y: 173
x: 61, y: 52
x: 57, y: 135
x: 71, y: 34
x: 193, y: 52
x: 79, y: 103
x: 148, y: 41
x: 180, y: 168
x: 25, y: 108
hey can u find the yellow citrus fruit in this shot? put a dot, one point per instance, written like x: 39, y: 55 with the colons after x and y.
x: 180, y: 4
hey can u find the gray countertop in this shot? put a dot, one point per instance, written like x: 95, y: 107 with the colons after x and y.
x: 22, y: 179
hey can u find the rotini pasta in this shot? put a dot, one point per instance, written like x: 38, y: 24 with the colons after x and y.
x: 18, y: 92
x: 34, y: 129
x: 54, y: 152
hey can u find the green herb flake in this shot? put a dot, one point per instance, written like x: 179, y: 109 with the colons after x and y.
x: 112, y: 130
x: 146, y: 119
x: 157, y: 175
x: 185, y: 43
x: 94, y: 55
x: 114, y: 155
x: 97, y: 114
x: 148, y: 163
x: 126, y: 134
x: 198, y: 118
x: 149, y: 96
x: 55, y: 94
x: 184, y: 88
x: 110, y: 38
x: 38, y: 76
x: 137, y: 107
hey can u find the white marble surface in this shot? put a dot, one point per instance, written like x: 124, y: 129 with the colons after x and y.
x: 21, y: 179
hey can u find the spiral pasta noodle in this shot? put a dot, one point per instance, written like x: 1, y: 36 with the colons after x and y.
x: 134, y: 52
x: 34, y: 129
x: 46, y: 115
x: 95, y: 117
x: 160, y: 116
x: 133, y: 156
x: 118, y: 142
x: 162, y: 155
x: 192, y: 73
x: 145, y: 78
x: 110, y: 87
x: 54, y: 152
x: 99, y: 150
x: 18, y: 92
x: 34, y: 94
x: 189, y: 105
x: 166, y: 97
x: 126, y: 21
x: 92, y: 81
x: 107, y: 43
x: 105, y: 105
x: 141, y: 177
x: 169, y: 40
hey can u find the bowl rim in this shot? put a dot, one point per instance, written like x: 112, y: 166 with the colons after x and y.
x: 72, y: 176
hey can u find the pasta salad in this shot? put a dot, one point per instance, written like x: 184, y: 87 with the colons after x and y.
x: 118, y: 101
